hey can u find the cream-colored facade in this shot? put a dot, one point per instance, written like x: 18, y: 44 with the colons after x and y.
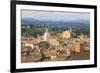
x: 66, y: 34
x: 82, y: 38
x: 53, y: 40
x: 77, y: 47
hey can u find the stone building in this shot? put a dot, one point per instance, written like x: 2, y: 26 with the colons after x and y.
x: 77, y: 47
x: 66, y: 34
x: 53, y: 40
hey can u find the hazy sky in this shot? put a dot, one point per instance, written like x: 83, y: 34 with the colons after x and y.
x: 55, y: 16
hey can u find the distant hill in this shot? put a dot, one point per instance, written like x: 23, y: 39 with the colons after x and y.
x: 73, y: 24
x: 78, y: 26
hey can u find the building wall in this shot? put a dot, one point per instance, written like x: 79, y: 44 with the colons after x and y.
x: 66, y: 34
x: 77, y: 47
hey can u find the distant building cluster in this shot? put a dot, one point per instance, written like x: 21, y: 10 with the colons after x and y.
x: 53, y: 46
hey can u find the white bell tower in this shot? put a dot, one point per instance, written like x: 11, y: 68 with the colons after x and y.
x: 46, y: 34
